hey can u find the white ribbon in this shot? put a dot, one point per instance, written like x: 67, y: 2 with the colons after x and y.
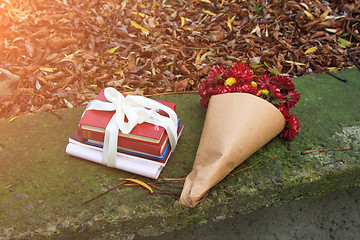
x: 137, y: 109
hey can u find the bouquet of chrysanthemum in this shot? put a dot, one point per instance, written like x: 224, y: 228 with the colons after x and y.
x: 243, y: 115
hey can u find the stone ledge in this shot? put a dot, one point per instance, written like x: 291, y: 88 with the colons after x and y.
x: 42, y: 188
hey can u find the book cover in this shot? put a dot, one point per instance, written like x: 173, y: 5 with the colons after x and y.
x: 130, y: 144
x: 124, y: 143
x: 97, y: 121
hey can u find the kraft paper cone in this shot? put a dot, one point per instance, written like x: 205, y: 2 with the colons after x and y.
x: 236, y: 126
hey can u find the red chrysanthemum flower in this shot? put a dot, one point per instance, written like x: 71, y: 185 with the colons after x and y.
x: 276, y: 92
x: 241, y: 72
x: 292, y: 98
x: 291, y: 128
x: 284, y: 110
x: 248, y: 88
x: 216, y: 73
x: 262, y: 81
x: 206, y: 92
x: 223, y: 89
x: 283, y: 82
x: 203, y: 89
x: 204, y: 102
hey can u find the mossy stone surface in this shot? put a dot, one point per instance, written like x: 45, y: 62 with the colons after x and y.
x: 42, y: 188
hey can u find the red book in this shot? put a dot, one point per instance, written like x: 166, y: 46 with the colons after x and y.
x: 144, y: 137
x: 151, y: 148
x: 79, y: 139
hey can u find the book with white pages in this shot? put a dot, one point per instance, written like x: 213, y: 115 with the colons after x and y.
x: 78, y: 147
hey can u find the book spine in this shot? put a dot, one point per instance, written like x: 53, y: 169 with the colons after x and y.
x: 136, y: 145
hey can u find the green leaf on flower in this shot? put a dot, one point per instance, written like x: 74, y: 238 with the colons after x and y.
x: 276, y: 102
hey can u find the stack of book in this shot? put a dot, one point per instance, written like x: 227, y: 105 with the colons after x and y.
x: 144, y: 151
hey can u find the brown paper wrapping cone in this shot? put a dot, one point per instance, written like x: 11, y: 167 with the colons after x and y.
x: 236, y: 126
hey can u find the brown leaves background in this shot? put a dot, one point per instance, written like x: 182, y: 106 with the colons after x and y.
x: 66, y: 51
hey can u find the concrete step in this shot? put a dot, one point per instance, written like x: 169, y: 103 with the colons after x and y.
x: 42, y: 188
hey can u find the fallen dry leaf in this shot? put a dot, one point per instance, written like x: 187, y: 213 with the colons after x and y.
x: 65, y: 53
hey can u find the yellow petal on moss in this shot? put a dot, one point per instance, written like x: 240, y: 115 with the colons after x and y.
x: 140, y: 183
x: 16, y: 117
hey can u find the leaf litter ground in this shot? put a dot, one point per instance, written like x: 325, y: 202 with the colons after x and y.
x: 65, y: 51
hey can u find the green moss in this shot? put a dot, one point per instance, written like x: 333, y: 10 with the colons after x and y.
x: 43, y: 188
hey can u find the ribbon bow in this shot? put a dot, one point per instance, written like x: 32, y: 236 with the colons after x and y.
x: 137, y: 109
